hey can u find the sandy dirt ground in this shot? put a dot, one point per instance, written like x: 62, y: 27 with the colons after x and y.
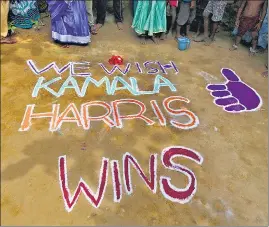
x: 232, y: 182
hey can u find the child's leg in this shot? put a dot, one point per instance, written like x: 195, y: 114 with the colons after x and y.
x: 254, y: 39
x: 155, y: 39
x: 191, y: 19
x: 178, y: 31
x: 168, y: 24
x: 199, y: 27
x: 174, y: 17
x: 188, y: 29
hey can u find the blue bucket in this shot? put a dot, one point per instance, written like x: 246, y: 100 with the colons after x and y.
x: 183, y: 43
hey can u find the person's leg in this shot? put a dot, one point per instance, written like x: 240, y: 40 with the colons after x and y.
x: 4, y: 24
x: 199, y: 25
x: 101, y: 13
x: 178, y: 29
x: 236, y: 42
x: 254, y: 35
x: 4, y: 18
x: 191, y: 19
x: 218, y: 12
x: 90, y: 15
x: 90, y: 12
x: 183, y: 17
x: 118, y: 13
x: 206, y: 27
x: 214, y: 30
x: 143, y: 39
x: 208, y: 10
x: 242, y: 29
x: 265, y: 73
x: 155, y: 39
x: 169, y: 23
x: 174, y: 17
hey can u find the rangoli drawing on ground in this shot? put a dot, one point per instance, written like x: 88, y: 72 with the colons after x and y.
x: 234, y: 95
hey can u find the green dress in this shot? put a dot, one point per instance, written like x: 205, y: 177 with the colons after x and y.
x: 150, y: 17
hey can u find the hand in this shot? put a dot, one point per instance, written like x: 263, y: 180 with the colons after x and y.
x: 258, y: 26
x: 237, y: 22
x: 234, y: 95
x: 193, y: 4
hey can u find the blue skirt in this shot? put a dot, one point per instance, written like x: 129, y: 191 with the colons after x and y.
x: 69, y: 21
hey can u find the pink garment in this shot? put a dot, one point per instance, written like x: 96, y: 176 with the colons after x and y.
x: 173, y: 3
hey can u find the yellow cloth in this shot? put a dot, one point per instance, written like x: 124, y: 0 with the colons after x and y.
x: 4, y: 15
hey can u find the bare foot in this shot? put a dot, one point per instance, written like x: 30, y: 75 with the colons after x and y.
x: 201, y: 39
x: 8, y: 40
x: 195, y: 36
x: 252, y: 52
x: 93, y: 31
x: 213, y: 38
x: 177, y: 37
x: 143, y: 40
x: 163, y: 36
x: 234, y: 47
x: 36, y: 27
x: 120, y: 25
x: 65, y: 46
x: 155, y: 39
x: 46, y: 14
x: 40, y: 22
x: 265, y: 74
x: 208, y: 41
x: 97, y: 27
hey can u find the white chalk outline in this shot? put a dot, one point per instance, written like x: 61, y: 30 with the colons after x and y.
x: 70, y: 208
x: 74, y: 110
x: 176, y: 167
x: 131, y: 116
x: 53, y: 65
x: 116, y: 68
x: 155, y: 106
x: 155, y: 183
x: 55, y: 108
x: 179, y: 98
x: 225, y: 83
x: 116, y: 162
x: 87, y: 124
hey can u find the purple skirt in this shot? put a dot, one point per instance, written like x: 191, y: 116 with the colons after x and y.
x: 69, y: 21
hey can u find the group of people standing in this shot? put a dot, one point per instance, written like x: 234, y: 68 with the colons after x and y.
x: 72, y: 21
